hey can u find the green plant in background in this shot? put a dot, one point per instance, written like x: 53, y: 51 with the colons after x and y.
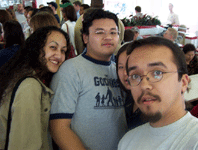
x: 146, y: 20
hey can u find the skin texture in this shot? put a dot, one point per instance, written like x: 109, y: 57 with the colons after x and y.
x: 55, y: 49
x: 189, y: 56
x: 164, y: 97
x: 122, y: 70
x: 101, y: 47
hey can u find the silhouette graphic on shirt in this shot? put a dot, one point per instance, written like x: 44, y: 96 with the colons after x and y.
x: 107, y: 100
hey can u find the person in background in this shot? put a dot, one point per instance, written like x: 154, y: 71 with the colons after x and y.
x: 83, y: 7
x: 69, y: 15
x: 171, y: 34
x: 133, y: 113
x: 191, y: 59
x: 157, y: 74
x: 138, y: 12
x: 44, y: 52
x: 54, y: 7
x: 26, y: 9
x: 43, y: 19
x: 77, y: 5
x: 172, y: 17
x: 20, y: 15
x: 128, y: 35
x: 27, y: 30
x: 181, y: 34
x: 80, y: 46
x: 87, y: 108
x: 64, y: 3
x: 137, y: 33
x: 5, y: 16
x: 12, y: 13
x: 14, y: 39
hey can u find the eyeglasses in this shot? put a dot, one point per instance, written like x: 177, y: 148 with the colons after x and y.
x: 152, y: 76
x: 103, y: 33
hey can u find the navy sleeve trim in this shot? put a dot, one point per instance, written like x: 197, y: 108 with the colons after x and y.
x: 61, y: 116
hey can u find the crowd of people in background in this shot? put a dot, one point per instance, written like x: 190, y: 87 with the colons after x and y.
x: 78, y: 82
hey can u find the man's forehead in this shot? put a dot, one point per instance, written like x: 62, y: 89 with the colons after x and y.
x: 146, y: 55
x: 104, y: 23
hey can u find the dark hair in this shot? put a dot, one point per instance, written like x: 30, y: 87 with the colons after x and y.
x: 13, y: 33
x: 4, y: 16
x: 12, y: 13
x: 77, y: 3
x: 29, y: 59
x: 70, y: 13
x: 85, y: 6
x: 189, y: 47
x: 27, y: 8
x: 178, y: 55
x: 138, y: 8
x: 92, y: 14
x: 120, y: 51
x: 45, y: 8
x: 65, y: 1
x: 128, y: 35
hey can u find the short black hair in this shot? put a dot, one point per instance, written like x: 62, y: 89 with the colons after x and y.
x: 77, y: 3
x: 93, y: 14
x: 178, y: 55
x: 189, y: 47
x: 65, y: 1
x: 85, y: 6
x: 138, y: 8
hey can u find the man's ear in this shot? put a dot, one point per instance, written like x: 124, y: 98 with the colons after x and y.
x: 185, y: 81
x: 85, y: 38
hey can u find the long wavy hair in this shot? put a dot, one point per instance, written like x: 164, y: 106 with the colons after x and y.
x: 13, y: 33
x: 29, y: 61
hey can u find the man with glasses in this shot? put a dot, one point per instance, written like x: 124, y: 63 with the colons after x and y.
x: 157, y: 74
x: 86, y: 113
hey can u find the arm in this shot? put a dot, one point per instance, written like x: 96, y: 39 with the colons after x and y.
x: 25, y: 130
x: 78, y: 36
x: 64, y: 137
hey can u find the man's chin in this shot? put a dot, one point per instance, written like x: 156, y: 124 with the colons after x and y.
x: 152, y: 118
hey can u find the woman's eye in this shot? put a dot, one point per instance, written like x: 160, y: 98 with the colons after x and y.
x: 120, y: 67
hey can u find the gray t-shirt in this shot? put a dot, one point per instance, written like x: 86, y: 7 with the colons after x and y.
x: 87, y: 91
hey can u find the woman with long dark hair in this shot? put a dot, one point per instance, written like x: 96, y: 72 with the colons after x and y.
x: 44, y: 51
x: 13, y: 38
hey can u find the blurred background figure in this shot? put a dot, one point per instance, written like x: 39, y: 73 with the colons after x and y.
x: 43, y: 19
x: 20, y: 14
x: 12, y: 13
x: 4, y: 16
x: 83, y: 7
x: 171, y: 34
x: 181, y: 34
x: 137, y: 35
x: 77, y: 5
x: 128, y: 35
x: 138, y: 12
x: 64, y: 3
x: 14, y: 39
x: 69, y: 15
x: 172, y: 17
x: 191, y: 59
x: 54, y: 7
